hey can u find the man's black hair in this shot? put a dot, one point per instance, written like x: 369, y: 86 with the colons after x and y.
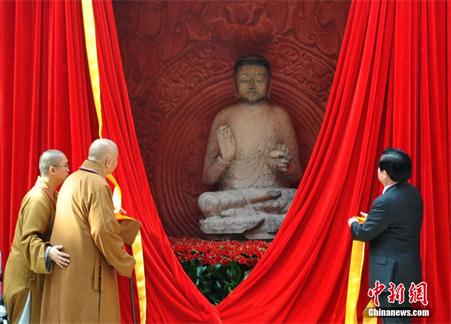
x: 252, y: 60
x: 397, y: 164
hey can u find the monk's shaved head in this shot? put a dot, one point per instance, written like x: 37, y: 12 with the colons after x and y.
x: 50, y: 158
x: 101, y: 149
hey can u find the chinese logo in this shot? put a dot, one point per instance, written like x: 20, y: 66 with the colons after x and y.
x: 396, y: 293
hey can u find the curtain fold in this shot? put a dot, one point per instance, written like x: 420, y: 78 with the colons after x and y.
x: 314, y: 243
x: 45, y: 101
x: 171, y: 294
x: 391, y: 88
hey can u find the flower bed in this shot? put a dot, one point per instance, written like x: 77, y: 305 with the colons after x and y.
x: 217, y: 267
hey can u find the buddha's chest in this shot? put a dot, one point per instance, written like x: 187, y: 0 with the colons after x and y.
x: 254, y: 132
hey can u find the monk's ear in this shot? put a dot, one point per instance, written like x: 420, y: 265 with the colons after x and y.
x: 108, y: 161
x: 52, y: 169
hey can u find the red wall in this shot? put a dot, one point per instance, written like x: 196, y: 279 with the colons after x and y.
x: 178, y: 59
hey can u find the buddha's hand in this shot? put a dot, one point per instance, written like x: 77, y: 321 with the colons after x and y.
x: 227, y: 144
x: 279, y: 158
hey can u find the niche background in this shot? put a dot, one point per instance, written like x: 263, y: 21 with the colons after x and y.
x: 178, y: 59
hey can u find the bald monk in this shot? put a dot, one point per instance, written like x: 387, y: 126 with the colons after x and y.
x: 31, y: 254
x: 86, y: 291
x: 252, y: 155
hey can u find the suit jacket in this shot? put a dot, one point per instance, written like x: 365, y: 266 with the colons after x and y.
x: 393, y: 229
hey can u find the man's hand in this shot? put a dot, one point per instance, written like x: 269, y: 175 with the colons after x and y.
x: 352, y: 220
x: 61, y: 258
x: 120, y: 211
x: 227, y: 145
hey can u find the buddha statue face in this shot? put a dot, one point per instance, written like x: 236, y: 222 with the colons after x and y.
x: 252, y: 84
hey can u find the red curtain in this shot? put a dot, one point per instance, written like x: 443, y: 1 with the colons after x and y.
x: 390, y: 89
x: 45, y: 97
x: 171, y: 295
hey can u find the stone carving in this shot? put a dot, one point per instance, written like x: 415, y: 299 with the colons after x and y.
x: 252, y: 154
x: 178, y: 59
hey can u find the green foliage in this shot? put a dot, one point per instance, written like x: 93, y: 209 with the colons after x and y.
x: 216, y: 281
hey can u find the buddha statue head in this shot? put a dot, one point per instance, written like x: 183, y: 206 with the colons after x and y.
x: 252, y: 79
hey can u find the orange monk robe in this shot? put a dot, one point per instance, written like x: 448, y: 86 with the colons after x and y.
x: 25, y: 266
x: 86, y: 291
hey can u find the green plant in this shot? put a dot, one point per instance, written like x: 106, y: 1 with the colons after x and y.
x: 217, y: 267
x: 218, y: 280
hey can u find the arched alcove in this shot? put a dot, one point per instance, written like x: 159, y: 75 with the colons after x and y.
x: 178, y: 59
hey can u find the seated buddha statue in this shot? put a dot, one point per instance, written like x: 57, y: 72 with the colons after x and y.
x: 252, y: 156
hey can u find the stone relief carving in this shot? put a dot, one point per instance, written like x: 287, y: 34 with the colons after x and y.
x: 177, y: 58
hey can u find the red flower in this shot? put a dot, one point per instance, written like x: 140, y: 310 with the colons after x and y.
x: 218, y: 252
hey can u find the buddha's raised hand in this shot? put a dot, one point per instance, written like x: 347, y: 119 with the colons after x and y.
x: 227, y: 144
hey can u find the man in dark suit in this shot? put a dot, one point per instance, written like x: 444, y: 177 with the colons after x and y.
x: 393, y: 229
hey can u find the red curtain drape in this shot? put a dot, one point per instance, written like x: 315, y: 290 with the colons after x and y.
x: 171, y: 294
x: 46, y: 102
x: 390, y: 89
x: 45, y: 97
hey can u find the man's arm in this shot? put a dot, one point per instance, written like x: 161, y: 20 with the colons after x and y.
x: 35, y: 223
x: 128, y: 230
x: 38, y: 254
x: 376, y: 222
x: 105, y: 231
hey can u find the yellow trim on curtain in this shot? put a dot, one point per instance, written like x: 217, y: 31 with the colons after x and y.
x: 355, y: 274
x: 137, y: 250
x: 354, y: 279
x: 91, y: 50
x: 367, y: 319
